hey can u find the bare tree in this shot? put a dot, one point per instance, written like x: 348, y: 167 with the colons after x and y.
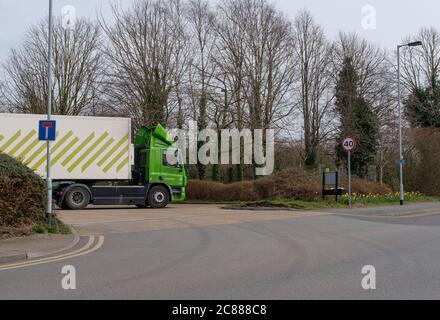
x: 200, y: 19
x: 268, y: 67
x: 144, y: 52
x: 77, y: 68
x: 312, y: 55
x: 421, y: 65
x: 255, y: 48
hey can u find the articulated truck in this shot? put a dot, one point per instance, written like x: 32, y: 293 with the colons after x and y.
x: 95, y: 160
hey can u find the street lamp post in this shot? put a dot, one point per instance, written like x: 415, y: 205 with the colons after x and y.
x: 49, y: 114
x: 411, y: 44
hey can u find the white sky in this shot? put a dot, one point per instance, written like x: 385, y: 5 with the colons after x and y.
x: 395, y: 18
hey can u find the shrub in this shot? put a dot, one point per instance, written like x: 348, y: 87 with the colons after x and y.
x: 22, y: 196
x: 217, y: 191
x: 294, y: 184
x: 423, y: 162
x: 289, y: 184
x: 360, y: 186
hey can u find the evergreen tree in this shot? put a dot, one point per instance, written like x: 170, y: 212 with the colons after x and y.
x: 423, y: 107
x: 356, y: 119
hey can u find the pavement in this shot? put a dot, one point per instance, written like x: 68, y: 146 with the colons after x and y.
x: 205, y: 252
x: 35, y: 246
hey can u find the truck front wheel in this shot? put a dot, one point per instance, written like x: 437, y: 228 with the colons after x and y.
x: 77, y: 198
x: 158, y: 197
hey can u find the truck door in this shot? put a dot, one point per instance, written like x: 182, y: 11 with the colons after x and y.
x: 140, y: 171
x: 171, y: 171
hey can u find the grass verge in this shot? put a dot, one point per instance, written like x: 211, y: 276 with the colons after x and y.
x: 58, y: 227
x: 358, y: 201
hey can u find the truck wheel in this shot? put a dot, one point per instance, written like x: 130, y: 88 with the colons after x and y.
x: 77, y: 198
x: 158, y: 197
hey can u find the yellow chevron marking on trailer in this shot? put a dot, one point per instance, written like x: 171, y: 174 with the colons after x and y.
x: 35, y: 154
x: 122, y: 164
x: 64, y: 151
x: 21, y: 143
x: 10, y: 141
x: 113, y: 150
x: 28, y: 149
x: 115, y: 159
x: 52, y: 150
x: 88, y: 151
x: 38, y: 152
x: 78, y: 150
x: 1, y: 137
x: 97, y: 154
x: 39, y: 163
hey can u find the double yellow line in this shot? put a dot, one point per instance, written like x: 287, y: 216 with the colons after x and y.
x: 86, y: 249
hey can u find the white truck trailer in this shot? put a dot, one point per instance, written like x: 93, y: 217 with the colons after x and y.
x: 86, y: 148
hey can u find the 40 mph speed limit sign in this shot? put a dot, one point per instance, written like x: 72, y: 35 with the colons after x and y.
x: 348, y: 144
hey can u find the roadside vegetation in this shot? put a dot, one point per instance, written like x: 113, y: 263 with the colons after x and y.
x: 58, y: 227
x: 296, y: 189
x: 293, y: 184
x: 358, y: 200
x: 23, y: 201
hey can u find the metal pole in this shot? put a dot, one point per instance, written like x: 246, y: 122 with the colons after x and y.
x: 400, y: 128
x: 349, y: 179
x: 49, y: 113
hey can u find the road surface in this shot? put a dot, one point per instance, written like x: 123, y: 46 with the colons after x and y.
x: 205, y: 252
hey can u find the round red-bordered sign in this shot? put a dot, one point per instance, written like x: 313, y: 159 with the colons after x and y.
x: 348, y: 144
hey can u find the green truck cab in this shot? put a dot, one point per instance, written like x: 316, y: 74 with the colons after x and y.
x: 158, y: 177
x: 157, y: 162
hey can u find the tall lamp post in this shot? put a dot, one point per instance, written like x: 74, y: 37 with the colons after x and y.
x: 411, y: 44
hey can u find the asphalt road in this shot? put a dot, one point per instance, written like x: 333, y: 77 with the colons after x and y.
x: 204, y: 252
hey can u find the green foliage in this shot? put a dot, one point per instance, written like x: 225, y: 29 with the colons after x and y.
x: 22, y: 196
x: 356, y: 119
x: 423, y: 107
x: 42, y: 229
x: 366, y: 128
x: 310, y: 160
x: 58, y: 227
x: 216, y: 173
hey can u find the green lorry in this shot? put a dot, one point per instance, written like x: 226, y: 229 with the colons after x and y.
x: 158, y: 177
x: 98, y: 160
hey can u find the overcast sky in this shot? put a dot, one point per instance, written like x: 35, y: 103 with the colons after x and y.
x: 394, y: 18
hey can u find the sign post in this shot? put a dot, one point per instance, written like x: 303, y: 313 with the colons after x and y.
x: 49, y: 114
x: 349, y: 144
x: 47, y: 132
x: 349, y: 179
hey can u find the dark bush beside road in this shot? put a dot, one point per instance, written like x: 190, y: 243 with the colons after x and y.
x: 22, y: 195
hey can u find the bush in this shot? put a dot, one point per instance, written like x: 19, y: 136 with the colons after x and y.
x: 289, y: 184
x: 423, y: 162
x: 360, y: 186
x: 294, y: 184
x: 22, y: 197
x: 217, y: 191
